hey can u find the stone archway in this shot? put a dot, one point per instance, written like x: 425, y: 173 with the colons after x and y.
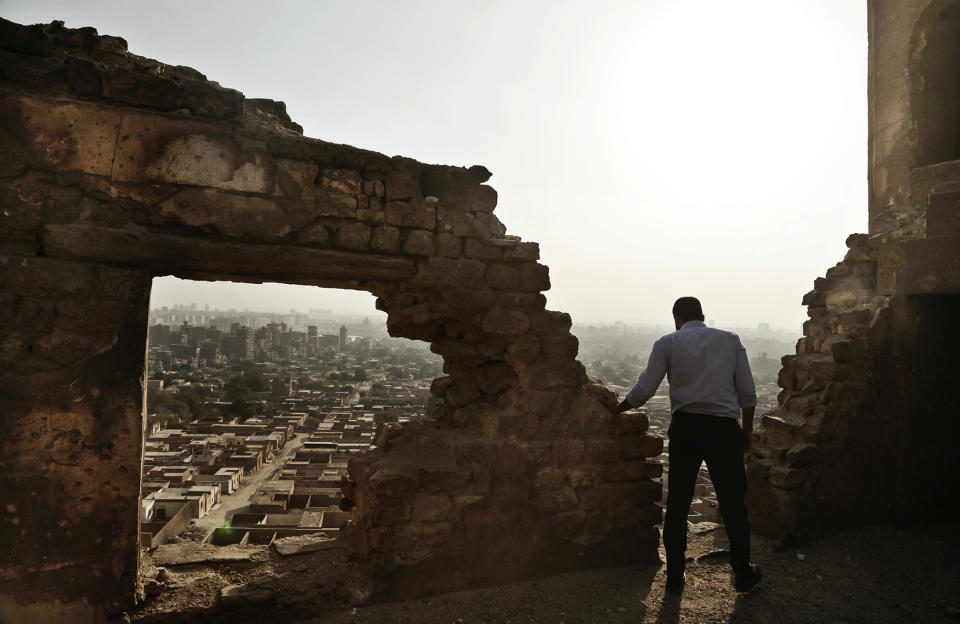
x: 117, y: 169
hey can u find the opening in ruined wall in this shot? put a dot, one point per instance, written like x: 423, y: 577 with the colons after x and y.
x: 936, y: 101
x: 617, y: 353
x: 253, y: 413
x: 923, y: 409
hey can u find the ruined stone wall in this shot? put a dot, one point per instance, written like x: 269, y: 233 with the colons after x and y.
x: 859, y: 412
x: 899, y: 32
x: 817, y: 459
x: 116, y: 168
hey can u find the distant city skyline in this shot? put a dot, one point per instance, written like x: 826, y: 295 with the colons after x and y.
x: 268, y: 298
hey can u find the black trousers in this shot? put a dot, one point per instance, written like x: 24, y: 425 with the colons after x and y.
x: 695, y: 438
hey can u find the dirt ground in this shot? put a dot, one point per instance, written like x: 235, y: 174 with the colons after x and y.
x: 875, y: 575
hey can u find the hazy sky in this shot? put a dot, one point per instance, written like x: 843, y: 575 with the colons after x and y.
x: 653, y: 148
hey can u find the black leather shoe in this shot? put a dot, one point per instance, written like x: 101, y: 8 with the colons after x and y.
x: 675, y: 583
x: 747, y: 578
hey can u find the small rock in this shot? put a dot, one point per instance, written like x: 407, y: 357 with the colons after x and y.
x: 698, y: 528
x: 621, y: 610
x: 153, y: 588
x: 239, y: 595
x: 801, y: 557
x: 162, y: 575
x: 299, y: 544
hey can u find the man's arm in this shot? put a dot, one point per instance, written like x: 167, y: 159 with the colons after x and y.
x: 649, y: 379
x: 746, y: 420
x: 746, y: 394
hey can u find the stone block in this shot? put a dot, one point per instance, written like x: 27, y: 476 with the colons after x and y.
x: 555, y: 501
x: 461, y: 394
x: 787, y: 478
x: 385, y: 238
x: 313, y: 234
x: 418, y: 243
x: 569, y: 451
x: 631, y: 422
x: 803, y: 454
x: 506, y: 322
x: 549, y: 322
x: 480, y: 251
x: 373, y: 187
x: 512, y: 299
x: 490, y: 225
x: 405, y: 214
x: 519, y: 426
x: 135, y: 86
x: 522, y: 251
x: 402, y: 185
x: 559, y: 346
x: 449, y: 273
x: 439, y: 386
x: 61, y: 135
x: 330, y: 203
x: 626, y: 471
x: 430, y: 507
x: 159, y: 148
x: 354, y: 236
x: 640, y: 446
x: 399, y: 482
x: 813, y: 298
x: 525, y: 349
x: 209, y: 100
x: 484, y: 199
x: 548, y: 479
x: 844, y: 351
x: 294, y: 179
x: 570, y: 374
x: 503, y: 276
x: 495, y: 377
x: 346, y: 181
x: 534, y: 277
x: 232, y: 214
x: 448, y: 245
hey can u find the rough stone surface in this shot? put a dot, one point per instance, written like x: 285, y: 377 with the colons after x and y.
x: 115, y: 169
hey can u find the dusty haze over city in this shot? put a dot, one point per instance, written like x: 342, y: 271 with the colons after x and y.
x: 654, y: 149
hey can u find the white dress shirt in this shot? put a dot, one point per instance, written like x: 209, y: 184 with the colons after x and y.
x: 707, y: 369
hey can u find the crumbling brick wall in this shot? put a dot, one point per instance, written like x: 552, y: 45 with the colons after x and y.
x: 116, y: 169
x: 854, y: 425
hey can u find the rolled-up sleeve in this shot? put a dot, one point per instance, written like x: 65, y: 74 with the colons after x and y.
x: 650, y: 378
x: 743, y: 378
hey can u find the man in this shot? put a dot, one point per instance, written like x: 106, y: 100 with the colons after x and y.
x: 710, y: 387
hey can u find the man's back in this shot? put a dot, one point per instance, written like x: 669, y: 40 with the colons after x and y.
x: 708, y: 372
x: 710, y: 388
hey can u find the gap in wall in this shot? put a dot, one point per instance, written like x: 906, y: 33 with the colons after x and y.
x: 257, y: 396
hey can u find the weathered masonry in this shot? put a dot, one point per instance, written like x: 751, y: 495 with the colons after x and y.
x: 115, y: 169
x: 867, y: 424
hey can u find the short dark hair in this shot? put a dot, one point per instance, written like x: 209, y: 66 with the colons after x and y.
x: 688, y: 309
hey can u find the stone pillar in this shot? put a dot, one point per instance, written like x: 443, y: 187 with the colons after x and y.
x: 72, y: 352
